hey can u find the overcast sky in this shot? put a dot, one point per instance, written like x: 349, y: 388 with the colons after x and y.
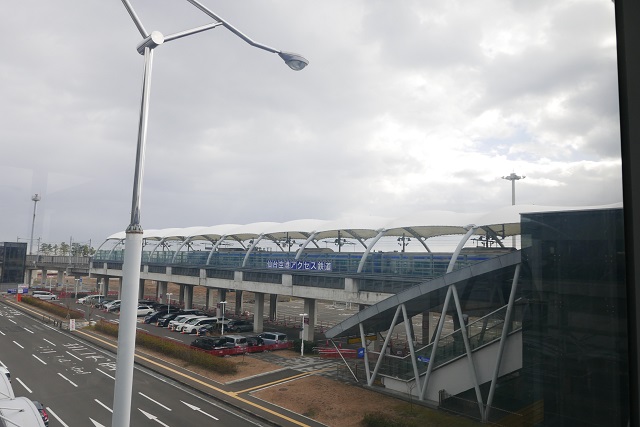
x: 405, y: 106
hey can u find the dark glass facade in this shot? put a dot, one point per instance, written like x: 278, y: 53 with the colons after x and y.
x: 575, y: 351
x: 13, y: 257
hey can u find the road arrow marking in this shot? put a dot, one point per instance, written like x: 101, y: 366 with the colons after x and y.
x: 152, y: 417
x: 195, y: 408
x: 95, y: 423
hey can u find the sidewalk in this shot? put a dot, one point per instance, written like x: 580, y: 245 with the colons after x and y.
x: 236, y: 394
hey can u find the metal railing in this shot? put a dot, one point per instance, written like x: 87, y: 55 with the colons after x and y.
x: 481, y: 332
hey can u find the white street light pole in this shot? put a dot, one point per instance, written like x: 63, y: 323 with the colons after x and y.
x: 222, y: 303
x: 169, y: 303
x: 134, y: 233
x: 36, y: 198
x: 302, y: 316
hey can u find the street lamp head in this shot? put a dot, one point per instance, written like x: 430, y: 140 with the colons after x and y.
x: 36, y: 197
x: 293, y: 60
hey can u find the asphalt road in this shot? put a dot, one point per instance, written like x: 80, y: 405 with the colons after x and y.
x: 75, y: 381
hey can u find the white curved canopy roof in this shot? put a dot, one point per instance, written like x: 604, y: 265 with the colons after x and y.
x: 504, y: 222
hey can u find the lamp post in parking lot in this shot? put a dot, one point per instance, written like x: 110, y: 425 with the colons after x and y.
x: 302, y: 316
x: 222, y: 304
x: 134, y: 233
x: 169, y: 302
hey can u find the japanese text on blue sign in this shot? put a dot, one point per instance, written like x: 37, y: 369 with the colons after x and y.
x: 299, y: 265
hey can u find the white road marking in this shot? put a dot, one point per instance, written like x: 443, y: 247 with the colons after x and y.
x: 73, y: 355
x: 18, y: 344
x: 49, y: 342
x: 70, y: 382
x: 103, y: 405
x: 12, y: 321
x: 24, y: 385
x: 51, y: 413
x: 104, y: 373
x: 39, y: 360
x: 154, y: 401
x: 95, y: 423
x: 31, y: 332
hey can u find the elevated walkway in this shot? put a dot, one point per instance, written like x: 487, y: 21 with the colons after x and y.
x: 474, y: 354
x: 449, y: 364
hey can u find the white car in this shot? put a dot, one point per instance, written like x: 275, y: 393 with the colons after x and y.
x: 143, y: 310
x: 110, y: 304
x: 192, y: 325
x: 90, y: 299
x: 44, y: 295
x: 180, y: 319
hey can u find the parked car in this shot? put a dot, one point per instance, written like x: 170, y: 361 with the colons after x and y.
x: 146, y: 302
x: 91, y: 300
x: 192, y: 326
x: 163, y: 321
x: 44, y: 295
x: 43, y: 413
x: 82, y: 300
x: 195, y: 311
x: 239, y: 326
x: 144, y: 310
x: 208, y: 343
x: 207, y: 329
x: 153, y: 317
x: 273, y: 337
x: 254, y: 341
x: 176, y: 325
x: 113, y: 306
x: 235, y: 341
x: 178, y: 319
x: 102, y: 305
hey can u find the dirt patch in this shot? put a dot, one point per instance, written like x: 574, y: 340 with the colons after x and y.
x: 327, y: 401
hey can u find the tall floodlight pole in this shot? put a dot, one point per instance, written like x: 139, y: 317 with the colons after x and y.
x: 134, y: 233
x: 36, y: 198
x: 513, y: 178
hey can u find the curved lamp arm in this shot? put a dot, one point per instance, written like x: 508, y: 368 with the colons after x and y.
x: 293, y: 60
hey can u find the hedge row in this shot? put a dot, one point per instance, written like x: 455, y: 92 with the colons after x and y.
x: 174, y: 349
x: 55, y: 309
